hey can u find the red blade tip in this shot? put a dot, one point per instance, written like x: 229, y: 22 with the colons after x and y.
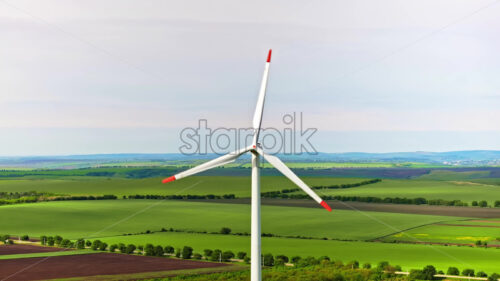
x: 325, y: 205
x: 169, y: 179
x: 269, y: 56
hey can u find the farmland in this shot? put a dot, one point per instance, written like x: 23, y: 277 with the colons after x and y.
x: 407, y: 255
x: 94, y: 264
x: 75, y: 219
x: 359, y: 231
x: 448, y: 190
x: 202, y: 185
x: 453, y: 232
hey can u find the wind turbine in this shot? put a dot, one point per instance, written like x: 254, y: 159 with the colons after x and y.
x: 257, y: 152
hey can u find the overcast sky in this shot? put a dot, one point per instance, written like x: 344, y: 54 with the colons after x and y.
x: 80, y: 77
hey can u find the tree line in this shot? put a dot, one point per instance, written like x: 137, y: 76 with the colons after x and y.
x: 284, y: 192
x: 179, y: 197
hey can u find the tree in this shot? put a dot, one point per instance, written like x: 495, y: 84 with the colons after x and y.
x: 43, y: 240
x: 225, y: 230
x: 474, y: 203
x: 178, y: 253
x: 478, y: 243
x: 25, y: 238
x: 268, y: 260
x: 481, y: 274
x: 416, y: 274
x: 122, y: 248
x: 169, y: 249
x: 468, y: 272
x: 50, y: 241
x: 130, y: 249
x: 247, y: 260
x: 452, y: 271
x: 494, y: 277
x: 58, y: 239
x: 207, y: 253
x: 112, y: 248
x: 295, y: 260
x: 429, y: 272
x: 281, y: 260
x: 382, y: 265
x: 353, y: 264
x: 103, y: 246
x: 483, y: 204
x: 149, y: 250
x: 66, y: 243
x: 216, y: 255
x: 187, y: 252
x: 88, y: 243
x: 4, y: 238
x: 497, y: 204
x: 159, y: 251
x: 367, y: 266
x: 95, y: 245
x: 197, y: 256
x: 241, y: 255
x: 227, y: 256
x: 80, y: 244
x: 324, y: 258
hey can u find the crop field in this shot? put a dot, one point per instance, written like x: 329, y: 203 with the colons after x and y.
x: 454, y: 232
x: 446, y: 175
x: 94, y: 264
x: 200, y: 185
x: 327, y: 165
x: 76, y: 219
x: 407, y: 255
x: 448, y: 190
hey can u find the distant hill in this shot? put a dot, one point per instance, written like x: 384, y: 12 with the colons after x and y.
x: 452, y: 158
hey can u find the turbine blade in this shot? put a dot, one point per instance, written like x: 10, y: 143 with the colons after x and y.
x: 280, y: 166
x: 259, y: 109
x: 220, y: 161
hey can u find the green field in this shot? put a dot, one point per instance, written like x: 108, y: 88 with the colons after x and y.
x: 199, y: 185
x: 74, y: 219
x: 347, y: 232
x: 407, y: 255
x: 326, y: 165
x: 460, y: 232
x: 447, y: 190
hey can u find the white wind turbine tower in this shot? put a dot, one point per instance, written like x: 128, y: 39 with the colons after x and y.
x: 257, y: 152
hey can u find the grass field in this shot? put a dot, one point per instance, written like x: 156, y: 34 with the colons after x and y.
x: 448, y: 190
x: 460, y: 232
x: 74, y: 219
x: 407, y: 255
x: 201, y: 185
x: 327, y: 165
